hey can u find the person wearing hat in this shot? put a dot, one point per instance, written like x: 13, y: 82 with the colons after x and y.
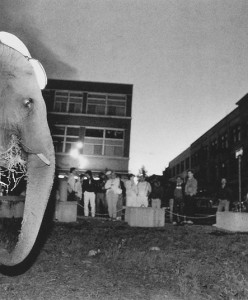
x: 89, y: 190
x: 113, y: 190
x: 131, y: 191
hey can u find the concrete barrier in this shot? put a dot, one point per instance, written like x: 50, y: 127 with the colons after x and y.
x: 144, y: 217
x: 66, y: 211
x: 232, y: 221
x: 11, y: 206
x: 63, y: 190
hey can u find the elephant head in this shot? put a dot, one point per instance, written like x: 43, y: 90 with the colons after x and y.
x: 23, y: 116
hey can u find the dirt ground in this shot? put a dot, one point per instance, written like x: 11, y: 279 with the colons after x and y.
x: 102, y: 259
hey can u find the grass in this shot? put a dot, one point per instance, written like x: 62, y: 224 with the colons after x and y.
x: 191, y: 262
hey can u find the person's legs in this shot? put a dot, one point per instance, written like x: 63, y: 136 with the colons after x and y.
x: 114, y: 205
x: 119, y: 206
x: 98, y: 202
x: 144, y: 201
x: 156, y: 203
x: 189, y: 208
x: 92, y: 198
x: 109, y: 202
x: 175, y: 211
x: 221, y: 206
x: 86, y: 204
x: 181, y: 211
x: 227, y: 204
x: 105, y: 204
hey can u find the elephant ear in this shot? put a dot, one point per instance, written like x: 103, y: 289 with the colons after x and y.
x: 15, y: 43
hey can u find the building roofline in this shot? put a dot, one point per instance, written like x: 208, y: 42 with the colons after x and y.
x: 243, y: 99
x: 89, y: 86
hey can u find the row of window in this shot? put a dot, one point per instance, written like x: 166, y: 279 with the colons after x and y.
x: 180, y: 167
x: 95, y: 103
x: 202, y: 154
x: 96, y: 141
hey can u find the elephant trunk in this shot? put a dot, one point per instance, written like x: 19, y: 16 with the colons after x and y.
x: 40, y: 181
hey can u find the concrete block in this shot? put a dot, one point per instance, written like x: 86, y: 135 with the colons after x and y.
x: 63, y: 190
x: 66, y: 211
x: 232, y: 221
x: 144, y: 217
x: 11, y: 206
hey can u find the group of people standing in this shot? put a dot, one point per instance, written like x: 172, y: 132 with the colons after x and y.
x: 182, y: 201
x: 109, y: 192
x: 103, y: 196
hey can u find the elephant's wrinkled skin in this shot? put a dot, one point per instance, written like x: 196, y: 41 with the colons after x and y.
x: 23, y: 114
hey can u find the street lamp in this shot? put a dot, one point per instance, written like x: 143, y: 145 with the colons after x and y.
x: 238, y: 155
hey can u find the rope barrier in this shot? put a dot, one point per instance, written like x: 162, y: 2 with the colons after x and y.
x: 167, y: 210
x: 105, y: 214
x: 189, y: 217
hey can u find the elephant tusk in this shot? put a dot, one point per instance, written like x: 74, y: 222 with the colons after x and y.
x: 43, y: 158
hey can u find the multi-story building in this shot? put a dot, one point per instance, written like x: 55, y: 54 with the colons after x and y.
x: 90, y: 124
x: 214, y: 154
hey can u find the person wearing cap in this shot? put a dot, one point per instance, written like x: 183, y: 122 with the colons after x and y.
x: 113, y: 191
x: 89, y: 191
x: 131, y: 191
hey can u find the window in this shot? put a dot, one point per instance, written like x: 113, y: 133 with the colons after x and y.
x: 96, y: 104
x: 236, y: 134
x: 104, y: 104
x: 178, y: 169
x: 224, y: 141
x: 182, y: 166
x: 68, y: 101
x: 214, y: 146
x: 187, y: 163
x: 108, y: 142
x: 64, y: 137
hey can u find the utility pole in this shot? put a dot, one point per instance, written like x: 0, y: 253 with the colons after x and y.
x: 238, y: 155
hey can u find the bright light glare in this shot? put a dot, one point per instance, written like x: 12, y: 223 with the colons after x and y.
x: 74, y: 153
x: 82, y: 162
x: 79, y: 145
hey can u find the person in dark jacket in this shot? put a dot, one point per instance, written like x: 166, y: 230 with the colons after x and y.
x: 224, y: 196
x: 89, y: 190
x: 101, y: 202
x: 156, y: 194
x: 178, y: 202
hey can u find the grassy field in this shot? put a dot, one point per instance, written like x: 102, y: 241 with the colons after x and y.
x: 101, y: 259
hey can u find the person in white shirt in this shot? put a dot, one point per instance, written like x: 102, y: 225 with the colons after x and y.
x: 131, y: 191
x: 113, y: 190
x: 143, y: 191
x: 71, y: 185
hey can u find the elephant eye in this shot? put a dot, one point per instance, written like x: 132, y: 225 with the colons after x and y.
x: 28, y: 102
